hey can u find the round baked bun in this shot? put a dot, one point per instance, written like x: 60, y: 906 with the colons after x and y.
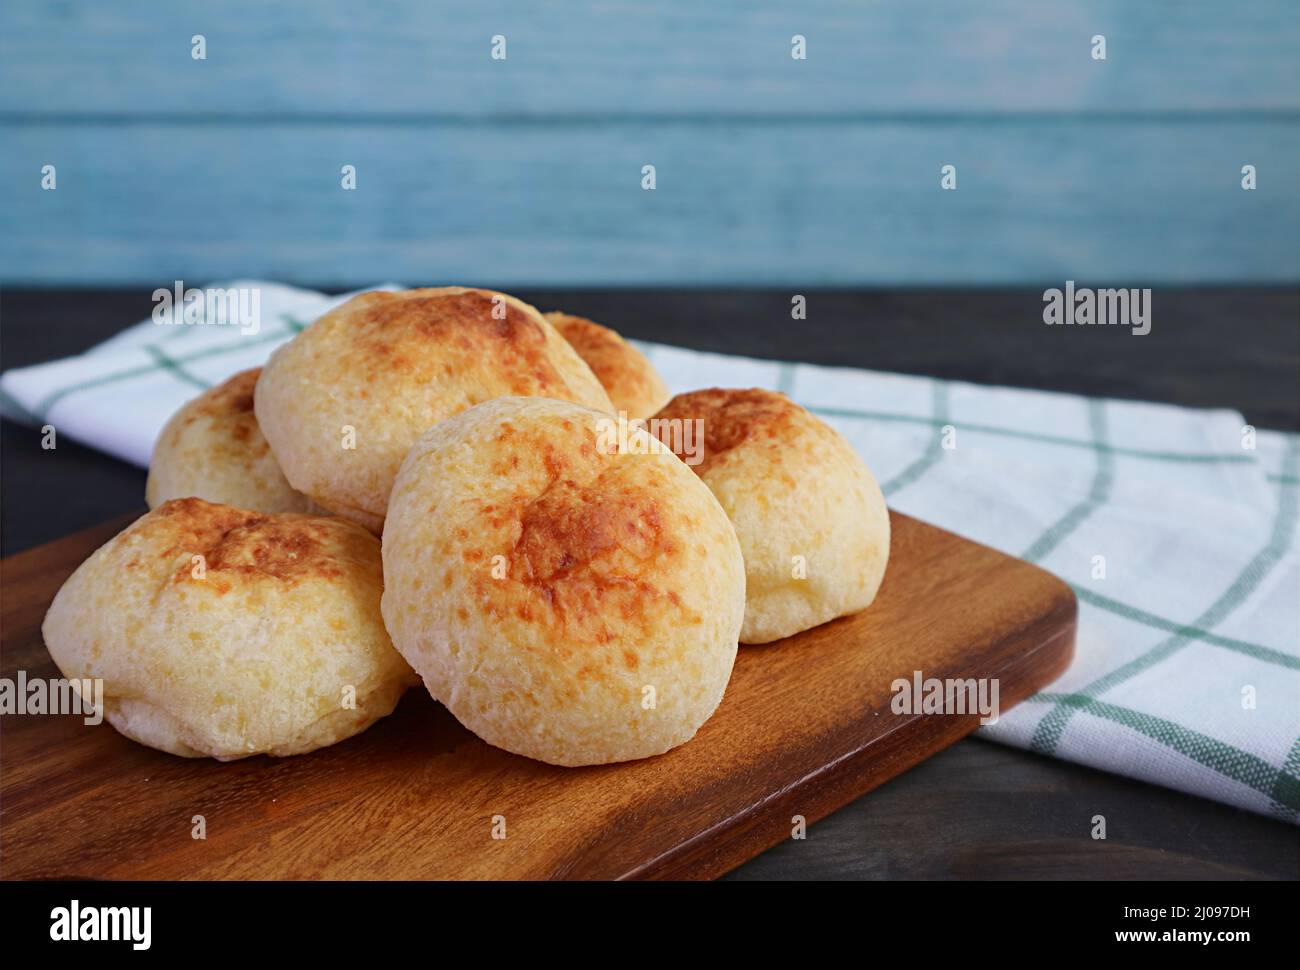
x: 632, y: 383
x: 271, y: 643
x: 212, y: 448
x: 810, y: 517
x: 344, y: 400
x: 567, y: 598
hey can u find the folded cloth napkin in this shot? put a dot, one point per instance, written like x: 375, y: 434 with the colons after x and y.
x: 1175, y: 527
x: 118, y: 395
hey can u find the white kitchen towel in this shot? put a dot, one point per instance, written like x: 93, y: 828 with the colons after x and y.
x: 1175, y: 527
x: 118, y: 395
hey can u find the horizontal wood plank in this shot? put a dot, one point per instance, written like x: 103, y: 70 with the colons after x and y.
x: 802, y: 204
x: 674, y: 57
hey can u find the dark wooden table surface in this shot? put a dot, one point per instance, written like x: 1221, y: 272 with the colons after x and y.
x: 978, y: 810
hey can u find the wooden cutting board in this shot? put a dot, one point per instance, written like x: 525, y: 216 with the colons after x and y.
x: 805, y: 727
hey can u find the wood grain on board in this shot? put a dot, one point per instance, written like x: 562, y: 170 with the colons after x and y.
x: 805, y: 727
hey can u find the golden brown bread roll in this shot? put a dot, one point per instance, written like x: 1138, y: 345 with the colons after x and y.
x: 630, y: 380
x: 565, y: 600
x: 226, y: 633
x: 810, y: 517
x: 344, y: 400
x: 212, y: 448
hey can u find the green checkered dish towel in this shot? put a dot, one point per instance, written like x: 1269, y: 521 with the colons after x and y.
x: 1175, y: 527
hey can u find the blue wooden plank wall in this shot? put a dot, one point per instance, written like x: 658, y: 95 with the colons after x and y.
x: 769, y: 170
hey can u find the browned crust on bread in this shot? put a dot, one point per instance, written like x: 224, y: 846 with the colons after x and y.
x: 589, y: 549
x: 733, y: 417
x: 390, y: 366
x: 630, y: 380
x: 393, y: 334
x: 539, y: 601
x: 228, y: 405
x: 241, y: 547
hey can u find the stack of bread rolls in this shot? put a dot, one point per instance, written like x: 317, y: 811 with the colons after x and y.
x: 446, y: 486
